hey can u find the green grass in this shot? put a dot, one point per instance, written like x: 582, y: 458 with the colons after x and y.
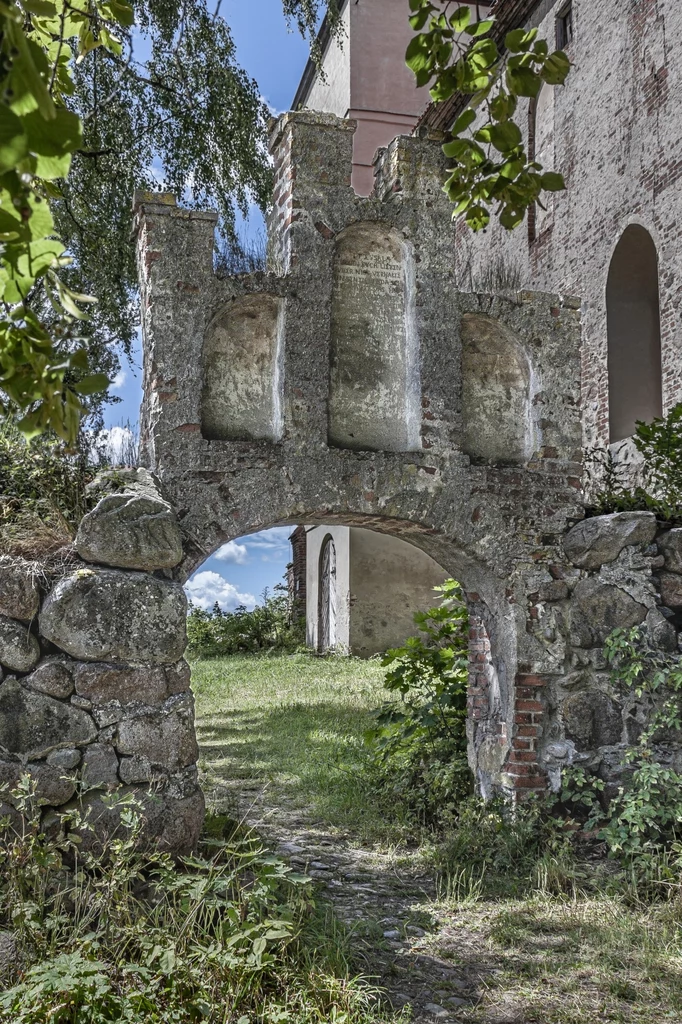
x: 537, y: 938
x: 558, y: 960
x: 295, y: 724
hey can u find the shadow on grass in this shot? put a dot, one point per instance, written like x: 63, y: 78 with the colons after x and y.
x: 311, y: 754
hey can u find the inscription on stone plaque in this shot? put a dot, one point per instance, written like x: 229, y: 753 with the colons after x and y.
x: 370, y: 359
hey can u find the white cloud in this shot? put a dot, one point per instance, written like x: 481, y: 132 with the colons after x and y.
x: 118, y: 446
x: 205, y: 588
x: 234, y: 553
x: 272, y: 545
x: 118, y: 381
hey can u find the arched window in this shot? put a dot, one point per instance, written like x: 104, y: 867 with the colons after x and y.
x: 326, y: 632
x: 634, y: 333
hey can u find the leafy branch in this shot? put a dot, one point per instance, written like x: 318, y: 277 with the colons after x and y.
x: 43, y: 365
x: 456, y: 52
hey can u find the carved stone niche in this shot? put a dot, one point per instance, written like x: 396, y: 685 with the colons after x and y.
x: 374, y: 378
x: 241, y: 398
x: 496, y: 398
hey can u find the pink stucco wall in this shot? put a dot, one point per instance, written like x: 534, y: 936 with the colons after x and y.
x: 367, y: 79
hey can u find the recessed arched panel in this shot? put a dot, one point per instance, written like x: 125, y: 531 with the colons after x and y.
x: 634, y: 333
x: 241, y: 395
x: 374, y: 379
x: 496, y: 413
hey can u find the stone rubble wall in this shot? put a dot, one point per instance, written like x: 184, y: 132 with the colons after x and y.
x: 94, y: 692
x: 626, y: 571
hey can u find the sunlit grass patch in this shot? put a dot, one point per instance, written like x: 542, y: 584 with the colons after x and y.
x: 295, y: 723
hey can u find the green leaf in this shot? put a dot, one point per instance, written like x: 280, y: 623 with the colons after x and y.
x: 478, y: 218
x: 519, y: 40
x: 556, y: 68
x: 523, y: 82
x: 55, y: 136
x: 418, y: 55
x: 120, y: 11
x: 43, y: 8
x: 463, y: 122
x: 13, y: 143
x: 505, y: 136
x: 460, y: 19
x: 552, y: 182
x: 480, y: 28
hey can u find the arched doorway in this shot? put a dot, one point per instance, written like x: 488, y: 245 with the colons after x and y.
x: 327, y: 597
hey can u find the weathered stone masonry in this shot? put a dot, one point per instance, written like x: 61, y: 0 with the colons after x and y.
x: 95, y: 695
x: 474, y: 460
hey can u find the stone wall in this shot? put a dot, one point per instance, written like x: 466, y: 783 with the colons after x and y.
x: 95, y: 694
x: 489, y: 502
x: 627, y: 571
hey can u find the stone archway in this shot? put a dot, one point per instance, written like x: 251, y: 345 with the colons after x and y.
x: 542, y: 591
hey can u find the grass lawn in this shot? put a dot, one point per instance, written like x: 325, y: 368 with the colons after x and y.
x: 295, y: 724
x: 524, y: 954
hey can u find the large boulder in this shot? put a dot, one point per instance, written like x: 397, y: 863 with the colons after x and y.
x: 146, y: 684
x: 32, y: 724
x: 100, y: 766
x: 19, y: 593
x: 131, y: 531
x: 670, y: 546
x: 19, y: 649
x: 599, y: 608
x: 592, y: 720
x: 53, y: 786
x: 106, y: 615
x: 594, y: 542
x: 165, y: 736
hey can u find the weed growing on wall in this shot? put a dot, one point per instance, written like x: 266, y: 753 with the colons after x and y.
x: 642, y: 824
x: 420, y: 740
x: 660, y: 446
x: 124, y: 935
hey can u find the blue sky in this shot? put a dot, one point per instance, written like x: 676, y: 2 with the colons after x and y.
x: 275, y: 57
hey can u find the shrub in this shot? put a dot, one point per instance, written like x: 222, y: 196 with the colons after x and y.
x: 642, y: 824
x: 130, y: 936
x: 660, y: 445
x: 420, y: 741
x: 269, y: 627
x: 42, y: 492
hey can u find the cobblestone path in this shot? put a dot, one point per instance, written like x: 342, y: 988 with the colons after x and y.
x: 387, y: 908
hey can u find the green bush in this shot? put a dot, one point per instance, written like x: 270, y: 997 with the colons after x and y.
x: 269, y: 627
x: 660, y: 445
x: 419, y: 743
x: 42, y: 491
x: 127, y: 936
x: 642, y: 824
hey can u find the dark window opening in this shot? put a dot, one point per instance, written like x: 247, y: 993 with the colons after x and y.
x: 564, y: 27
x: 634, y: 333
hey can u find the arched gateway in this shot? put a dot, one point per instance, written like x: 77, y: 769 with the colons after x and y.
x: 495, y: 523
x: 351, y: 385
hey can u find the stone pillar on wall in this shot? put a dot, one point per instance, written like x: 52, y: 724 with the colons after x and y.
x: 95, y: 694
